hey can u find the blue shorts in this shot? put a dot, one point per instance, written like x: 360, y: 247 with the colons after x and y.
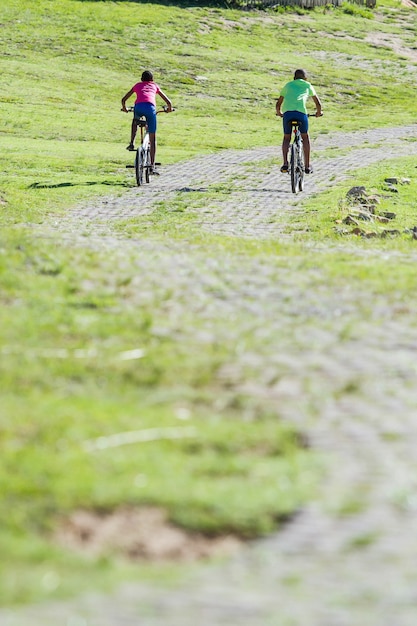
x: 289, y: 116
x: 149, y: 111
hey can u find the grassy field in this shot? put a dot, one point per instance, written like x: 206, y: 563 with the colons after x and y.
x: 69, y: 345
x: 64, y: 72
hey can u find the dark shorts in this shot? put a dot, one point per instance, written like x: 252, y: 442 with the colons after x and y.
x: 289, y: 116
x: 149, y: 111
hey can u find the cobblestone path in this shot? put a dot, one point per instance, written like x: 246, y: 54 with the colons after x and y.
x: 349, y: 559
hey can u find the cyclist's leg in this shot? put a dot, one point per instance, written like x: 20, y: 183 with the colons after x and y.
x: 287, y: 127
x: 285, y: 147
x: 138, y: 112
x: 150, y: 114
x: 303, y: 119
x: 152, y: 141
x: 306, y: 148
x: 148, y: 110
x: 133, y: 132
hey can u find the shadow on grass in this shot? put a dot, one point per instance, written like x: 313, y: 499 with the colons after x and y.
x: 185, y: 4
x: 230, y: 192
x: 110, y: 183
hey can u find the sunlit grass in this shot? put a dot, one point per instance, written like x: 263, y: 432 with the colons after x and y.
x: 65, y: 72
x: 325, y: 212
x: 91, y: 345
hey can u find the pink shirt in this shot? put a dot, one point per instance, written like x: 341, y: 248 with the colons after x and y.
x: 146, y: 92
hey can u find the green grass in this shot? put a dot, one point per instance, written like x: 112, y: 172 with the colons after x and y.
x: 70, y: 317
x: 325, y: 213
x: 66, y: 331
x: 64, y: 72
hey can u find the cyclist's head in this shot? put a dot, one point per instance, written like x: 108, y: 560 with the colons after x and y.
x: 147, y: 76
x: 300, y: 74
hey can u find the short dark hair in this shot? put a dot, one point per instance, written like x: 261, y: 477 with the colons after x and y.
x: 300, y: 74
x: 147, y: 75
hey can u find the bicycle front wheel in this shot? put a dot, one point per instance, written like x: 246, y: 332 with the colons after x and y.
x: 139, y: 166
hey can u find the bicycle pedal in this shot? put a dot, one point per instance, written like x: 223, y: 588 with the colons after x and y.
x: 158, y: 163
x: 132, y: 166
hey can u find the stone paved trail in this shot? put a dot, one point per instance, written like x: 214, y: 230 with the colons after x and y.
x: 349, y: 559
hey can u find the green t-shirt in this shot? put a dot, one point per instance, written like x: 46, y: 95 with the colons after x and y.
x: 296, y: 94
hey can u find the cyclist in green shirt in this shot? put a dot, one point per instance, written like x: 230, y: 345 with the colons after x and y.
x: 291, y: 105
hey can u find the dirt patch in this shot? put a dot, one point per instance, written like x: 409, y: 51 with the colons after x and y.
x: 139, y: 534
x: 393, y: 42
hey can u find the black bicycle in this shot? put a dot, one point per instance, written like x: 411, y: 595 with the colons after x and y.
x: 296, y: 169
x: 296, y: 150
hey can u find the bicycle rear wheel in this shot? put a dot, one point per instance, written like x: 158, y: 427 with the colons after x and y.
x: 294, y: 171
x: 139, y: 159
x: 147, y: 164
x: 301, y: 169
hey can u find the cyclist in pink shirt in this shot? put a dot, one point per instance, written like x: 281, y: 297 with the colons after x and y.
x: 145, y: 104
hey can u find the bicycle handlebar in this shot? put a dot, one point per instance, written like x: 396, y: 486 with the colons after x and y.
x: 164, y: 110
x: 308, y: 115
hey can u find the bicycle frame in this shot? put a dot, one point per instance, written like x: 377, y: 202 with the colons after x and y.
x: 141, y: 123
x: 296, y: 159
x: 143, y: 152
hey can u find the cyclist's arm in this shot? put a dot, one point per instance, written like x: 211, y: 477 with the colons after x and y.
x: 166, y: 100
x: 318, y: 106
x: 126, y: 97
x: 278, y: 105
